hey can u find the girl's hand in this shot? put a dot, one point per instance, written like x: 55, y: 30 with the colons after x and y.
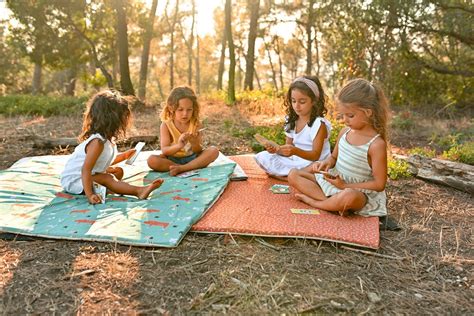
x: 271, y: 149
x: 94, y: 199
x: 316, y: 167
x: 286, y: 150
x: 335, y: 181
x: 194, y: 138
x: 184, y: 138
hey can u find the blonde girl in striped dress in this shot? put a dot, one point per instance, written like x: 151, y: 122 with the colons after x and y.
x: 353, y: 178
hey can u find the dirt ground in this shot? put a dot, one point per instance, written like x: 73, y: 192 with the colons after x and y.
x: 426, y: 268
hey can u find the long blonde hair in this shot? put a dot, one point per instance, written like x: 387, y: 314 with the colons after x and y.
x: 367, y: 95
x: 172, y: 103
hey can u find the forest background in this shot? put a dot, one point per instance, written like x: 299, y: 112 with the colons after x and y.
x: 54, y: 54
x: 421, y: 51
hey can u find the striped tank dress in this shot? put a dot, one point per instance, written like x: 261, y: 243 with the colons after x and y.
x: 353, y: 167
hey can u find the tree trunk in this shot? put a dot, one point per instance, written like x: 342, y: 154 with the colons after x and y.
x: 198, y: 68
x: 190, y: 45
x: 36, y: 83
x: 220, y: 73
x: 316, y: 45
x: 253, y: 6
x: 122, y: 42
x: 267, y: 48
x: 71, y: 78
x: 228, y: 32
x: 258, y: 79
x: 276, y: 44
x: 171, y: 50
x: 308, y: 27
x: 146, y: 51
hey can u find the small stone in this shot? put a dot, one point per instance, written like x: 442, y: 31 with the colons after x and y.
x: 418, y: 295
x: 373, y: 297
x: 458, y: 269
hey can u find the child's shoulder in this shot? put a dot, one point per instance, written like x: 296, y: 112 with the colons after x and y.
x: 378, y: 144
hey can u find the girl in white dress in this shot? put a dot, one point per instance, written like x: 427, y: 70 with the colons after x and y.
x: 107, y: 116
x: 307, y: 131
x: 354, y: 176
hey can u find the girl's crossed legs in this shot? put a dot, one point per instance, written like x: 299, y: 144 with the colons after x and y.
x: 161, y: 163
x: 313, y: 195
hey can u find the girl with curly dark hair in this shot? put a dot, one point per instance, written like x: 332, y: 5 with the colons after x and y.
x: 107, y: 117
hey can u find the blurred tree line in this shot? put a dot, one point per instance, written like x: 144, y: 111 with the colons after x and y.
x: 421, y: 51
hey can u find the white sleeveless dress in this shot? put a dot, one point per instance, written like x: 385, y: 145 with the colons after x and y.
x: 353, y: 167
x: 71, y: 177
x: 277, y: 165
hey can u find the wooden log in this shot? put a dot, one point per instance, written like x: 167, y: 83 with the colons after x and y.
x: 40, y: 142
x: 454, y: 174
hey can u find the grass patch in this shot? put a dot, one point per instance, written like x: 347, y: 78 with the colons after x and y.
x: 461, y: 152
x: 398, y: 169
x: 274, y: 132
x: 40, y: 105
x: 423, y: 151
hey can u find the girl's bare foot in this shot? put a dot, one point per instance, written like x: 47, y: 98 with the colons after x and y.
x: 306, y: 199
x: 145, y: 191
x: 175, y: 169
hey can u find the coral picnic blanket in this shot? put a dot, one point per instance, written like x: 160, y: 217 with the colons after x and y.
x: 251, y: 208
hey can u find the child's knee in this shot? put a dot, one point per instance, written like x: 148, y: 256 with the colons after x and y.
x: 293, y: 175
x: 352, y: 197
x: 213, y: 151
x: 153, y: 161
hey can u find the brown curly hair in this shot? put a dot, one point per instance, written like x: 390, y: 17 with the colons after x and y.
x: 172, y: 102
x: 108, y: 114
x: 319, y: 104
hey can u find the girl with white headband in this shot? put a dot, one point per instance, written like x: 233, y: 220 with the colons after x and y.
x: 307, y: 131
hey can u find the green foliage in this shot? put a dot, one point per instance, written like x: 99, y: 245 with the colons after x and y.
x: 398, y: 169
x: 218, y: 95
x: 40, y: 105
x: 97, y: 80
x: 423, y: 151
x: 256, y: 95
x: 461, y: 152
x: 275, y: 133
x: 403, y: 121
x: 447, y: 141
x: 337, y: 126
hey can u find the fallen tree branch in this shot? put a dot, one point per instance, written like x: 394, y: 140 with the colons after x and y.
x: 40, y: 142
x: 454, y: 174
x: 376, y: 254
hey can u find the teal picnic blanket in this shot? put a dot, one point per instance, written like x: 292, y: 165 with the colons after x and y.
x: 33, y: 203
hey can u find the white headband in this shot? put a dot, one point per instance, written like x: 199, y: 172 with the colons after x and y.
x: 310, y: 83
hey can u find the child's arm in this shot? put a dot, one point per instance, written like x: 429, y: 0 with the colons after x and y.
x: 93, y: 151
x: 123, y: 156
x: 330, y: 161
x: 378, y: 160
x: 318, y: 143
x: 165, y: 141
